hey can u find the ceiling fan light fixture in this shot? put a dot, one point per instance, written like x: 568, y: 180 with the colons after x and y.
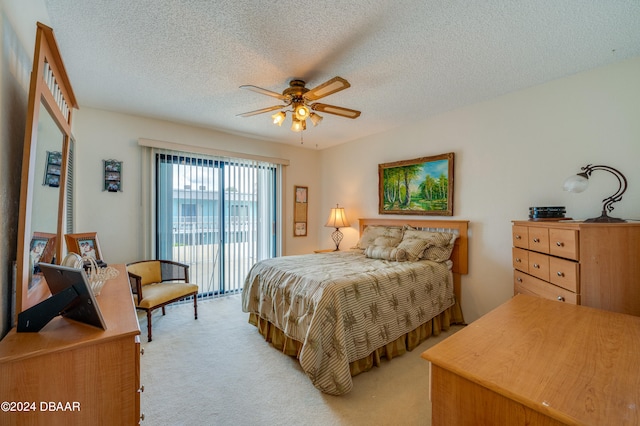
x: 278, y: 118
x: 297, y: 125
x: 315, y: 118
x: 302, y: 112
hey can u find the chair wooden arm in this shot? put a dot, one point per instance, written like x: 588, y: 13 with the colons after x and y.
x: 136, y: 284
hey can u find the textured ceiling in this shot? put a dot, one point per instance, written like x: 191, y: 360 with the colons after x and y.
x: 184, y: 60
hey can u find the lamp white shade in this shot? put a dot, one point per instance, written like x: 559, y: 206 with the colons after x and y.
x: 576, y: 183
x: 337, y: 218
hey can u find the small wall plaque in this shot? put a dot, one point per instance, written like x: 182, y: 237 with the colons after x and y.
x: 112, y: 175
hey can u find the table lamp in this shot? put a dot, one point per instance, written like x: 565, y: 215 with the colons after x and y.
x: 337, y: 219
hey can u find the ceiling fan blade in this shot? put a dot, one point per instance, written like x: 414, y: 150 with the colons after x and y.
x: 327, y: 88
x: 265, y: 92
x: 261, y: 111
x: 332, y: 109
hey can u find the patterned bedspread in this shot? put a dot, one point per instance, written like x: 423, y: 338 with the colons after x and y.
x: 342, y: 306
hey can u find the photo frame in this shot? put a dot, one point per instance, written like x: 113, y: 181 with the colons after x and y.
x: 300, y: 210
x: 112, y: 175
x: 42, y: 248
x: 85, y: 244
x: 52, y: 169
x: 422, y: 186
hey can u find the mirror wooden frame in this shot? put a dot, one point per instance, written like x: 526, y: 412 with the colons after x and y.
x: 49, y: 86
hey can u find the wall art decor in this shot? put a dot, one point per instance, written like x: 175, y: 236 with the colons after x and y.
x: 52, y: 169
x: 301, y: 198
x: 423, y: 186
x: 112, y: 175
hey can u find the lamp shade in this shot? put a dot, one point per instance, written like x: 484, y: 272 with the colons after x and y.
x: 278, y: 118
x: 576, y: 183
x: 337, y: 218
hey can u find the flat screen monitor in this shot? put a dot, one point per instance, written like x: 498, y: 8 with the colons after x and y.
x: 84, y: 307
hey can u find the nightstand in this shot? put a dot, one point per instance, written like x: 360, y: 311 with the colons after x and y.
x: 324, y: 251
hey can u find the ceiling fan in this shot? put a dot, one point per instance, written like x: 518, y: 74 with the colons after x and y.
x: 302, y: 102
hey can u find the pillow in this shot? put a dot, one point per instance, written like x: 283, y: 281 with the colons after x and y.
x: 385, y: 253
x: 387, y: 241
x: 372, y: 232
x: 413, y: 248
x: 440, y: 251
x: 439, y: 244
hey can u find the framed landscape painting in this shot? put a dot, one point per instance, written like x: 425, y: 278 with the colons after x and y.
x: 423, y: 186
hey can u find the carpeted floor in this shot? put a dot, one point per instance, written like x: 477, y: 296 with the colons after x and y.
x: 219, y: 371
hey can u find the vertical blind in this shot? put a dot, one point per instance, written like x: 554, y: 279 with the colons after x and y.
x: 216, y: 214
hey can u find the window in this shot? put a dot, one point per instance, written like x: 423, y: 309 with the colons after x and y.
x: 218, y: 215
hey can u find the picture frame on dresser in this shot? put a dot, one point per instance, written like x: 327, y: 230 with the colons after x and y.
x: 85, y: 244
x: 42, y: 248
x: 422, y: 186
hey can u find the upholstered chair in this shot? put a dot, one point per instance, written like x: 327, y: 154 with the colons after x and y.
x: 156, y: 283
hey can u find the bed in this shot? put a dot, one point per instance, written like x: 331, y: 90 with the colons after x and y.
x: 341, y: 312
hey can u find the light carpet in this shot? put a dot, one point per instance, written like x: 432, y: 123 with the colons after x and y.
x: 218, y: 370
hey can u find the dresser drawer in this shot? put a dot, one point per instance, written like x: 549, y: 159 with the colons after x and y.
x: 539, y: 239
x: 520, y: 259
x: 520, y: 236
x: 539, y: 265
x: 526, y: 284
x: 564, y: 243
x: 564, y: 273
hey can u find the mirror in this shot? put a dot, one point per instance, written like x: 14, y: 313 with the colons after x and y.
x: 46, y: 188
x: 43, y: 192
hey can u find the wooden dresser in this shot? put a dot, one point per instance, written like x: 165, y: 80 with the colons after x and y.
x: 74, y: 374
x: 533, y: 361
x: 589, y: 264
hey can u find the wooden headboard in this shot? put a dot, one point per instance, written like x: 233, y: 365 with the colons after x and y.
x: 460, y: 254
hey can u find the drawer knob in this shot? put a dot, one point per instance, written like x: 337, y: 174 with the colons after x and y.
x: 518, y: 237
x: 560, y: 244
x: 536, y: 240
x: 561, y: 299
x: 518, y: 260
x: 560, y: 274
x: 519, y: 279
x: 535, y: 265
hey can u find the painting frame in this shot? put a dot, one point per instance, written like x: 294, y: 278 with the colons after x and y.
x: 416, y: 174
x: 300, y: 210
x: 112, y: 175
x: 84, y: 244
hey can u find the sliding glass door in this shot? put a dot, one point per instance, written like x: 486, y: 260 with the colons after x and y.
x: 218, y: 215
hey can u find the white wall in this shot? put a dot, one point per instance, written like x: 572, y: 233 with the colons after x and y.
x: 512, y: 152
x: 117, y: 217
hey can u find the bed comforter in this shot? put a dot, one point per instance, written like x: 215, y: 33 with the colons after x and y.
x: 342, y: 306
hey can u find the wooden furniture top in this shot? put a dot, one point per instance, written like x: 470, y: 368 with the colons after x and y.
x: 573, y: 363
x: 574, y: 224
x: 460, y: 254
x: 116, y: 304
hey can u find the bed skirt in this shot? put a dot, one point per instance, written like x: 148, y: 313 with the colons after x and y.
x: 404, y: 343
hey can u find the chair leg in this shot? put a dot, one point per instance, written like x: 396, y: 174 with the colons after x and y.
x: 148, y: 326
x: 163, y: 312
x: 195, y: 306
